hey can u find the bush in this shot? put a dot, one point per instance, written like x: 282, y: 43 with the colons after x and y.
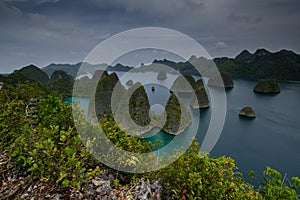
x: 52, y: 150
x: 12, y: 104
x: 196, y: 175
x: 276, y: 187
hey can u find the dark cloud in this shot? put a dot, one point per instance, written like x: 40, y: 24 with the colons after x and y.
x: 45, y: 31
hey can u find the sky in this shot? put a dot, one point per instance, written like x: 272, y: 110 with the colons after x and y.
x: 41, y: 32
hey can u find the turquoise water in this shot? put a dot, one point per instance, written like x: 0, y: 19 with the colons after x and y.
x: 272, y: 139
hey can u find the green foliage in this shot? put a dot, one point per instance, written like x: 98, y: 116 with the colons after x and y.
x: 62, y: 83
x: 282, y: 65
x: 139, y: 105
x: 178, y: 117
x: 276, y: 187
x: 11, y: 125
x: 267, y: 86
x: 200, y: 99
x: 51, y: 154
x: 34, y: 73
x: 197, y: 176
x: 12, y: 104
x: 121, y: 139
x: 52, y: 150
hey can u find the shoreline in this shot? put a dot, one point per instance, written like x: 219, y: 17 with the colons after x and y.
x: 161, y: 129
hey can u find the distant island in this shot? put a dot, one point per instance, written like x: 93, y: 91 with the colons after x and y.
x: 247, y: 112
x: 161, y: 75
x: 84, y: 67
x: 281, y: 65
x: 267, y: 86
x: 59, y: 82
x: 129, y: 82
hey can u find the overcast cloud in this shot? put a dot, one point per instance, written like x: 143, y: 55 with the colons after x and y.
x: 64, y: 31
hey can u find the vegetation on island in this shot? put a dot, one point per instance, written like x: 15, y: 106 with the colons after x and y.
x: 267, y: 86
x: 102, y: 99
x: 178, y: 117
x: 200, y: 99
x: 247, y: 112
x: 60, y: 82
x: 51, y: 152
x: 281, y: 65
x: 139, y: 105
x: 83, y: 68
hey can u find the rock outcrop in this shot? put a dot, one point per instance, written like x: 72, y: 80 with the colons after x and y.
x: 102, y: 99
x: 139, y: 105
x: 267, y: 86
x: 178, y: 116
x: 200, y: 99
x: 247, y: 112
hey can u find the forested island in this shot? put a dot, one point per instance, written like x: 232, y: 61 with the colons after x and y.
x: 269, y: 85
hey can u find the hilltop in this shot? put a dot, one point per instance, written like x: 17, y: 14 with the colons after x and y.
x: 73, y: 69
x: 281, y: 65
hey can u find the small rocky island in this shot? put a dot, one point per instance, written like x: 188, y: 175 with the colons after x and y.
x: 161, y: 76
x: 225, y: 80
x: 266, y: 86
x: 129, y: 82
x: 200, y: 99
x: 247, y: 112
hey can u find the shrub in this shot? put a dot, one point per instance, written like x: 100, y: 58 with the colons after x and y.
x: 276, y: 187
x: 197, y: 176
x: 53, y: 150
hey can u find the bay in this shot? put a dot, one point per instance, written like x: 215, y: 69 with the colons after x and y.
x: 272, y: 139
